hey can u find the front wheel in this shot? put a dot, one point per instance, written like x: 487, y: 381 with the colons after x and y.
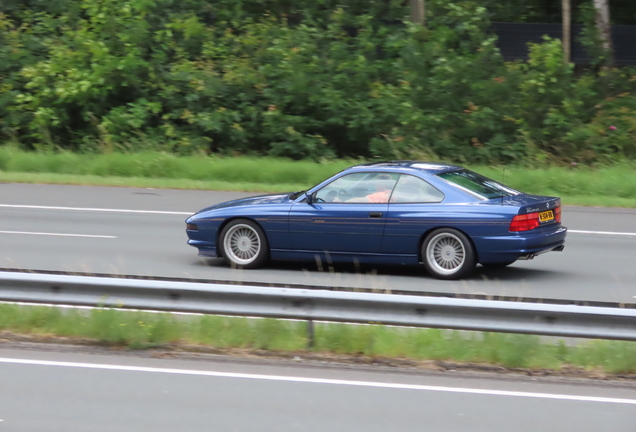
x: 448, y: 254
x: 244, y: 244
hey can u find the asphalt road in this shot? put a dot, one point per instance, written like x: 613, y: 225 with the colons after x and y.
x: 68, y: 392
x: 72, y: 228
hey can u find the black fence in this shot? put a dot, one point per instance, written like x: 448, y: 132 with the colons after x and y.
x: 513, y: 41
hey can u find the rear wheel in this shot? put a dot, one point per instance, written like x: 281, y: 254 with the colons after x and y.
x: 244, y: 244
x: 448, y: 254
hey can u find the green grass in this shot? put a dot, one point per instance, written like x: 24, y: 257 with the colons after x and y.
x: 144, y: 182
x: 155, y: 165
x: 613, y: 186
x: 617, y: 181
x: 138, y: 330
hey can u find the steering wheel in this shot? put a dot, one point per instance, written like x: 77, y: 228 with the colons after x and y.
x: 343, y: 195
x: 331, y: 196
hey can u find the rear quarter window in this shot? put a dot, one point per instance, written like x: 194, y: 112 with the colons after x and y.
x: 411, y: 189
x: 478, y: 185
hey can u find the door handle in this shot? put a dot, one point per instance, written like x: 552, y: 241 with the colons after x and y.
x: 375, y: 214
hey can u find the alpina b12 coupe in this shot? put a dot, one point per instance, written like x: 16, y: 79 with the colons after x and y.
x: 444, y: 217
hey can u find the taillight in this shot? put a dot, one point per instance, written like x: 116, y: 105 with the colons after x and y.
x: 524, y: 222
x: 557, y: 214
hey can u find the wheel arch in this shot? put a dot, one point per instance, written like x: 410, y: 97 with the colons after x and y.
x: 219, y: 250
x: 420, y: 243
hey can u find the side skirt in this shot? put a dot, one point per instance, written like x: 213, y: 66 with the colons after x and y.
x: 328, y: 257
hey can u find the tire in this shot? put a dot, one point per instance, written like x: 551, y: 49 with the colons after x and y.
x: 448, y: 254
x: 244, y: 244
x: 498, y: 265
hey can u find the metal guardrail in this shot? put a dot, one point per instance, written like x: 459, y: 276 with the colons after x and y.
x: 319, y: 305
x: 393, y: 291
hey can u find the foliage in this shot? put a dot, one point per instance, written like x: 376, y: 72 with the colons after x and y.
x: 304, y: 80
x: 612, y: 130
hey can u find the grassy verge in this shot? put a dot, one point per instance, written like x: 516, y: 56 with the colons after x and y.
x: 609, y: 186
x: 139, y: 330
x: 145, y: 182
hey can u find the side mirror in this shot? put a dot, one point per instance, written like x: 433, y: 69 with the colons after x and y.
x: 310, y: 198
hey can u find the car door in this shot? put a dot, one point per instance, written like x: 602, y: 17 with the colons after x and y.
x: 415, y: 207
x: 341, y: 217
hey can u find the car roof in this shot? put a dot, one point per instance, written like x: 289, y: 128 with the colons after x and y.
x: 401, y: 165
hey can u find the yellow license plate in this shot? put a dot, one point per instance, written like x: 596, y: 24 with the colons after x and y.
x: 546, y: 216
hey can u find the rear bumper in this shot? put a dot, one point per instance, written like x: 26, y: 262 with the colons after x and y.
x: 497, y: 249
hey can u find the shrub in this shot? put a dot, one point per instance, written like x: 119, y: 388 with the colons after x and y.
x: 303, y: 80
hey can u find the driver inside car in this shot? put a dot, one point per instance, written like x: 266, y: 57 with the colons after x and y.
x: 383, y: 185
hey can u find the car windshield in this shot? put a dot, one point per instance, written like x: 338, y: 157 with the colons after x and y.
x: 477, y: 184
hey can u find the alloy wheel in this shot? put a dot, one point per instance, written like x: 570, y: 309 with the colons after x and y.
x: 242, y: 244
x: 446, y: 253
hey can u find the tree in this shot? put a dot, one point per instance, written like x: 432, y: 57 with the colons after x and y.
x: 418, y: 10
x: 604, y: 29
x: 566, y: 8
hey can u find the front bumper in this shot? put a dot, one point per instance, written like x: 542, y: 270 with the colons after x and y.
x: 206, y: 249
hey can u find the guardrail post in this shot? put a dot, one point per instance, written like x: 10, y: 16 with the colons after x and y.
x: 311, y: 335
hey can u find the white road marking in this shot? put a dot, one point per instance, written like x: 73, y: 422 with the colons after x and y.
x: 58, y: 234
x: 66, y: 306
x: 96, y: 209
x: 35, y: 207
x: 602, y: 233
x: 320, y: 381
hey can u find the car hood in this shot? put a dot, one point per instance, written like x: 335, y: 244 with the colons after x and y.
x: 256, y: 200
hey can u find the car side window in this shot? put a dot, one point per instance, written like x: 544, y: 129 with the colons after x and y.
x: 364, y: 187
x: 341, y: 186
x: 411, y: 189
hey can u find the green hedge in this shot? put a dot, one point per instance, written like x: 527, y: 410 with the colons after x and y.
x: 305, y: 79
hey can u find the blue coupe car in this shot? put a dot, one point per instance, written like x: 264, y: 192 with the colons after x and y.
x: 401, y: 212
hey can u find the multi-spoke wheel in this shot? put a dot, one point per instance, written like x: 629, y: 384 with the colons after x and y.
x: 448, y: 254
x: 243, y: 244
